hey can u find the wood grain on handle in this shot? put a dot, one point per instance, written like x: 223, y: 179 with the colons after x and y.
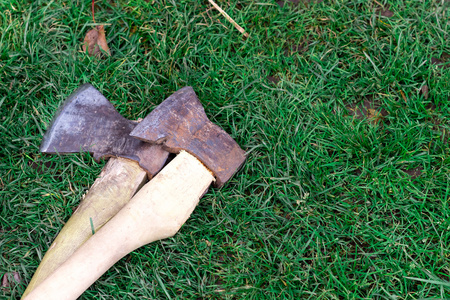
x: 118, y: 182
x: 156, y: 212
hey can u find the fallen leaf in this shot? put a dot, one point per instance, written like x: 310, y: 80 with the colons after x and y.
x: 95, y: 40
x: 384, y: 11
x: 424, y: 91
x: 387, y: 13
x: 7, y: 283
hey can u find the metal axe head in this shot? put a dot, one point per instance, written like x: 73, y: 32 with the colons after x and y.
x: 180, y: 123
x: 88, y: 122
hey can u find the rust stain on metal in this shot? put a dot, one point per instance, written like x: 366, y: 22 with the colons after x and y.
x: 180, y: 123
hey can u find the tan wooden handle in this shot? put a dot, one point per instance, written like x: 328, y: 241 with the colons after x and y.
x: 156, y: 212
x: 118, y: 182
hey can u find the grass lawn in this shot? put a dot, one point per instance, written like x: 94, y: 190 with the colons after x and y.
x: 342, y: 107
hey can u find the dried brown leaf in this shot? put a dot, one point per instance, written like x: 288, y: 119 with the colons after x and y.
x: 384, y: 10
x: 6, y: 282
x: 424, y: 91
x: 95, y: 40
x: 387, y: 13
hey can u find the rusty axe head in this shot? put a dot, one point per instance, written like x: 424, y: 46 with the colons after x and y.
x: 88, y: 122
x: 180, y: 123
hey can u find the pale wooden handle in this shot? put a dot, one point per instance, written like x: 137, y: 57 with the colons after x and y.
x: 156, y: 212
x: 118, y: 182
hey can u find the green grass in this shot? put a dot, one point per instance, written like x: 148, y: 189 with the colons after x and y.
x: 323, y: 207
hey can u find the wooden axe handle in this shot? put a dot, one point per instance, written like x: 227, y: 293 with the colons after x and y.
x: 156, y: 212
x: 118, y: 182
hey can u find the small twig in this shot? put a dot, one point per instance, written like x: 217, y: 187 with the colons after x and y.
x: 93, y: 15
x: 229, y: 18
x: 207, y: 12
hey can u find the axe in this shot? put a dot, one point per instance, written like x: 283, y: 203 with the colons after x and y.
x: 206, y: 154
x: 88, y: 122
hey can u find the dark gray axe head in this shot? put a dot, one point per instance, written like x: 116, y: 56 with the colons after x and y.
x: 180, y: 123
x: 88, y: 122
